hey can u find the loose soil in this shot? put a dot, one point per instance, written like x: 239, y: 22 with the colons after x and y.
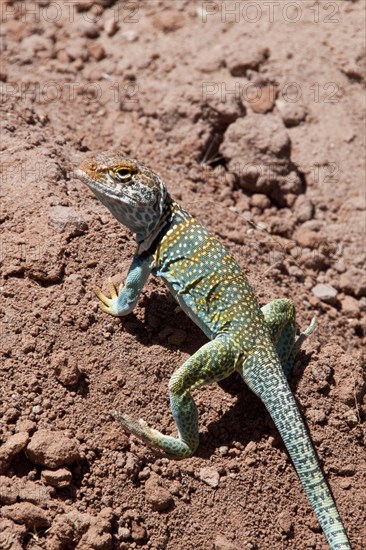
x: 254, y: 115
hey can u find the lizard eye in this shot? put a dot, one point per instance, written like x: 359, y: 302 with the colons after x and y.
x: 123, y: 174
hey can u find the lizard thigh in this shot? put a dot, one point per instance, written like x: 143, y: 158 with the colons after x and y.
x: 280, y: 318
x: 212, y: 362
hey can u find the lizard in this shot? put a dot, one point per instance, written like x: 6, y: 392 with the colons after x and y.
x: 212, y: 289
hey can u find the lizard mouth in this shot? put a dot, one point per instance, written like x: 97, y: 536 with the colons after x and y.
x: 107, y: 186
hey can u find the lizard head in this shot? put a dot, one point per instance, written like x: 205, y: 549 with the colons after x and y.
x: 133, y: 193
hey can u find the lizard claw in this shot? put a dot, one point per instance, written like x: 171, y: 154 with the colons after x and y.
x: 109, y: 304
x: 139, y: 427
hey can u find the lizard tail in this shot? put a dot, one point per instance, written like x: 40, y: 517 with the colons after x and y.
x: 263, y: 373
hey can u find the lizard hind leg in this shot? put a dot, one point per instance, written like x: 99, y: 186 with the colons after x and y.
x: 212, y: 362
x: 279, y: 316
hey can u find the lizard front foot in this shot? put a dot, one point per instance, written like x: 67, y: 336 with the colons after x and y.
x: 109, y: 305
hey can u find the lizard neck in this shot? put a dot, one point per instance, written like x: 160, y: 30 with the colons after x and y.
x: 173, y: 213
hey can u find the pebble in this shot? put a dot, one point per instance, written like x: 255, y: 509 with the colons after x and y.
x: 292, y: 114
x: 111, y: 26
x: 345, y: 484
x: 326, y: 293
x: 66, y: 219
x: 52, y: 449
x: 27, y: 514
x: 210, y: 476
x: 130, y: 36
x: 57, y: 478
x: 168, y: 20
x: 124, y: 533
x: 353, y: 282
x: 159, y: 498
x: 264, y: 99
x: 240, y: 61
x: 348, y: 470
x: 351, y: 418
x: 138, y: 531
x: 260, y: 201
x: 66, y: 370
x: 304, y: 209
x: 318, y: 416
x: 350, y: 307
x: 222, y: 543
x: 177, y: 337
x: 90, y: 30
x: 285, y: 523
x: 12, y: 446
x: 96, y: 51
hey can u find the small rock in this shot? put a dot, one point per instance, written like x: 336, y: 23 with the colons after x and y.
x: 346, y: 392
x: 66, y: 369
x: 348, y: 470
x: 130, y: 35
x: 69, y: 528
x: 52, y: 449
x: 66, y: 219
x: 304, y: 209
x: 8, y: 493
x: 111, y: 26
x: 307, y: 238
x: 37, y: 409
x: 222, y: 543
x: 11, y: 447
x: 138, y: 531
x: 353, y: 281
x: 223, y: 451
x: 168, y: 20
x: 99, y: 533
x: 260, y: 201
x: 96, y: 51
x: 57, y: 478
x: 177, y: 337
x: 285, y: 523
x: 133, y: 465
x: 159, y: 498
x: 25, y: 513
x: 90, y: 30
x: 345, y: 484
x: 350, y: 307
x: 11, y: 535
x: 264, y: 100
x: 351, y: 418
x: 316, y: 415
x: 239, y: 60
x: 124, y: 533
x: 292, y: 113
x: 326, y: 293
x: 210, y: 476
x: 28, y: 344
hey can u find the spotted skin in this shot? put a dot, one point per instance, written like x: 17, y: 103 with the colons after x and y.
x: 212, y: 289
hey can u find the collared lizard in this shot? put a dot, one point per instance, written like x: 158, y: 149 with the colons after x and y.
x: 212, y: 289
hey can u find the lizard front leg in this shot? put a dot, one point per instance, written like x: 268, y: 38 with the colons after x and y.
x: 123, y: 302
x: 212, y: 362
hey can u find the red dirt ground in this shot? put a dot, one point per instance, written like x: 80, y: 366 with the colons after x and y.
x: 255, y: 118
